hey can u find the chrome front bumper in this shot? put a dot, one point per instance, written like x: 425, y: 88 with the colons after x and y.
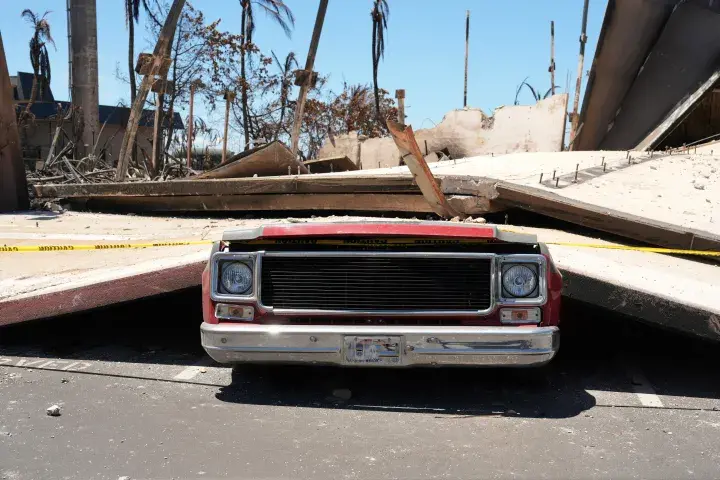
x: 420, y: 346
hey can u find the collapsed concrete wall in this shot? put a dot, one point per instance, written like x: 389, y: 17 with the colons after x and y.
x: 466, y: 133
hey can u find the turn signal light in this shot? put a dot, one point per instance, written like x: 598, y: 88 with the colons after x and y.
x: 226, y: 311
x: 520, y: 315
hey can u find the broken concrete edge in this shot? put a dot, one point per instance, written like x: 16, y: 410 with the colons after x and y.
x: 649, y: 231
x: 100, y: 294
x: 381, y: 203
x: 488, y: 195
x: 650, y: 309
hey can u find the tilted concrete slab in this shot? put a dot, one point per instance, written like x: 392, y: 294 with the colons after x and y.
x: 47, y: 284
x: 678, y: 189
x: 651, y: 60
x: 629, y: 30
x: 664, y: 199
x: 662, y: 290
x: 682, y: 60
x: 665, y: 291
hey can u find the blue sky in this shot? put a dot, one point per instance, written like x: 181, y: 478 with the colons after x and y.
x: 509, y: 40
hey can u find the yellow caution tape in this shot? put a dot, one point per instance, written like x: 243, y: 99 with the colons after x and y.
x: 676, y: 251
x: 99, y: 246
x: 357, y: 242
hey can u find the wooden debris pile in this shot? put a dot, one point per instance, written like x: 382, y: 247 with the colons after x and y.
x: 60, y: 165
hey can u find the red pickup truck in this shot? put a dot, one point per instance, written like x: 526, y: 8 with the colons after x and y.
x: 381, y: 294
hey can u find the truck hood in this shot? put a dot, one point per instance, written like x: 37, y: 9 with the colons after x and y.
x: 379, y: 229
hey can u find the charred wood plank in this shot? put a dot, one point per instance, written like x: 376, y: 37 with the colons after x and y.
x: 270, y: 185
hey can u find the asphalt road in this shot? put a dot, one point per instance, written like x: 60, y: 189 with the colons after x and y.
x: 138, y: 398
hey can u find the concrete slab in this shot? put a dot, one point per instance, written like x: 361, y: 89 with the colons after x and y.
x: 46, y: 284
x: 630, y: 29
x: 36, y: 285
x: 671, y: 292
x: 680, y: 189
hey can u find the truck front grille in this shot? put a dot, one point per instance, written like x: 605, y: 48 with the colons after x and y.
x: 376, y: 283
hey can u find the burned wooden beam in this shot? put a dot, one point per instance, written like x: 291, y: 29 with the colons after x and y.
x: 358, y: 202
x: 410, y: 152
x: 403, y: 183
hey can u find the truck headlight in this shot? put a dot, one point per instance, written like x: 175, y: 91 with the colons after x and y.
x: 519, y: 280
x: 236, y: 277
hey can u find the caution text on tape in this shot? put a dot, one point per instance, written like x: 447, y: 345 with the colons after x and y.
x: 359, y: 242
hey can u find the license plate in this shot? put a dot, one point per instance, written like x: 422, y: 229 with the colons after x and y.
x: 373, y: 350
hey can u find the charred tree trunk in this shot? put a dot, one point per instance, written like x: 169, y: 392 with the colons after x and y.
x: 166, y: 36
x: 173, y: 95
x: 131, y: 72
x: 33, y: 93
x: 309, y: 64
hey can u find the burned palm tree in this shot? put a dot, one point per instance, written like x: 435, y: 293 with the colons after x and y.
x: 280, y: 14
x: 39, y: 58
x: 286, y: 79
x: 379, y: 14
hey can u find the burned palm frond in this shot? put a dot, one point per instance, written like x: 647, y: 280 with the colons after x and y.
x: 537, y: 96
x: 534, y: 92
x: 518, y: 90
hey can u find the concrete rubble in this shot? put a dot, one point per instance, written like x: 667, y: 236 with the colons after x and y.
x: 466, y: 133
x: 53, y: 411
